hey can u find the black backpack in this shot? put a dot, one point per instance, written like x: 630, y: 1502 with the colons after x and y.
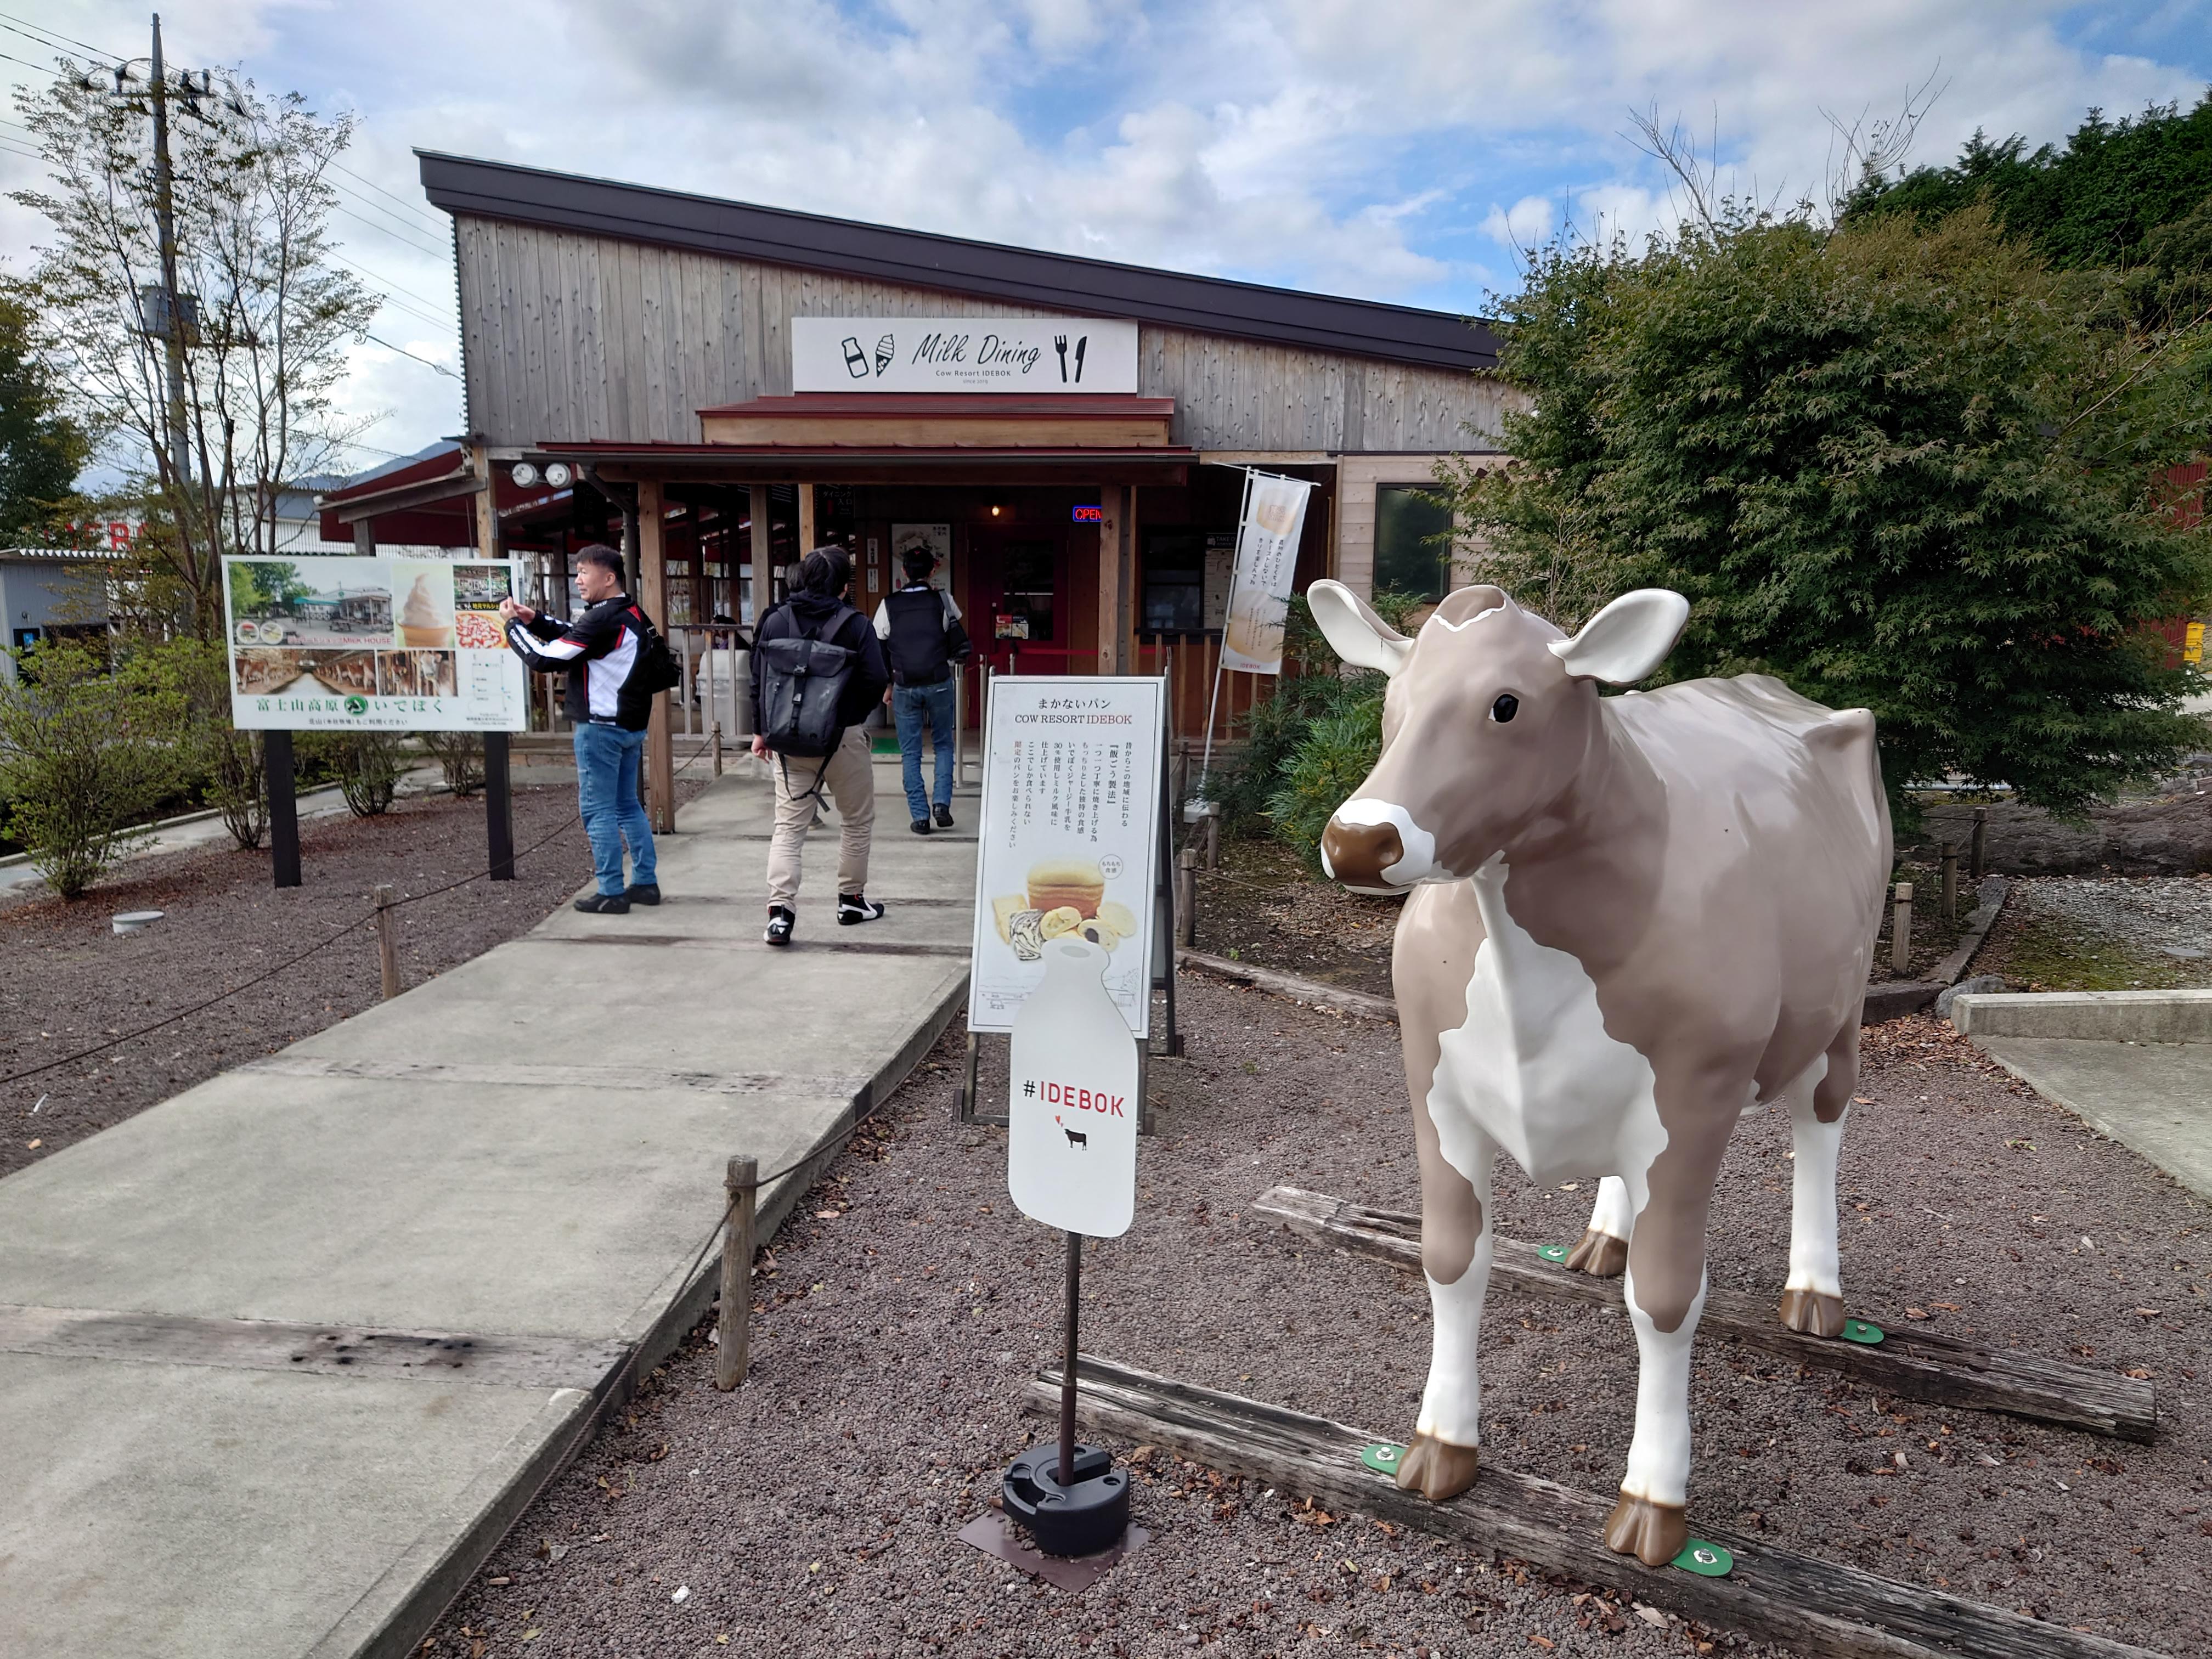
x: 656, y: 670
x: 802, y: 681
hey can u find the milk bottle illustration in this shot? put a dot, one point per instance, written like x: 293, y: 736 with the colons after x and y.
x: 1072, y: 1111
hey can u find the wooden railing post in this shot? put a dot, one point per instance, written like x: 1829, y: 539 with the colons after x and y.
x: 1187, y: 895
x: 718, y: 748
x: 1900, y: 928
x: 1974, y: 844
x: 387, y: 943
x: 734, y: 1330
x: 1948, y: 860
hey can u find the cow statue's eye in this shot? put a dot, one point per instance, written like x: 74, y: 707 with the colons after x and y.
x: 1505, y: 708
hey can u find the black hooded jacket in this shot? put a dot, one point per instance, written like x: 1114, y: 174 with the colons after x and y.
x: 806, y: 616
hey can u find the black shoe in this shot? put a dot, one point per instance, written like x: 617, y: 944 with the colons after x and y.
x: 604, y: 904
x: 920, y: 826
x: 644, y: 893
x: 781, y: 921
x: 853, y: 908
x: 945, y: 818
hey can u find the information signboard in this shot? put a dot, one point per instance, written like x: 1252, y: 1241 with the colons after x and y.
x: 962, y: 353
x: 1070, y: 835
x: 378, y: 643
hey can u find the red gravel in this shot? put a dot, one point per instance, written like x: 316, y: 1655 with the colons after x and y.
x: 67, y: 980
x: 813, y: 1511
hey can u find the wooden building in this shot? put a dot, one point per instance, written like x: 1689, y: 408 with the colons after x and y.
x: 749, y: 382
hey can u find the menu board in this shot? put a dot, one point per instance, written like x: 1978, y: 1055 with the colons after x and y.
x: 1070, y: 838
x: 380, y: 643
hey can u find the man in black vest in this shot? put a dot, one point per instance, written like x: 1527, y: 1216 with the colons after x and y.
x: 920, y: 625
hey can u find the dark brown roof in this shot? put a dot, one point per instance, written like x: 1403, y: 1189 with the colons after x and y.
x: 1209, y: 305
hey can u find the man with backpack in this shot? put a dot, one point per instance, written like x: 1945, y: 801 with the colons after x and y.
x: 817, y: 670
x: 919, y: 626
x: 616, y: 663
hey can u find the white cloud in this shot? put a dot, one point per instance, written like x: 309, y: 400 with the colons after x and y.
x: 1339, y: 144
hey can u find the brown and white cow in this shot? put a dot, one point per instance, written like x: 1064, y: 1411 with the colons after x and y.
x: 1631, y: 919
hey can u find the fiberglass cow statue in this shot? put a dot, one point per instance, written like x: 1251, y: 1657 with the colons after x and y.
x: 1631, y: 920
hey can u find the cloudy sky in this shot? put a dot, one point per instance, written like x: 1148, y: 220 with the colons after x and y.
x: 1398, y: 149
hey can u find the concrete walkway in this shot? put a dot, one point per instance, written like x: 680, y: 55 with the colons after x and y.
x: 2136, y: 1066
x: 281, y: 1357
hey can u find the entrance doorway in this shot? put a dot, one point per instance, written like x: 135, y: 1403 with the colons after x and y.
x: 1017, y: 589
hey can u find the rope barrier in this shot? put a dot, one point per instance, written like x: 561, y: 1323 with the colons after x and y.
x: 351, y: 927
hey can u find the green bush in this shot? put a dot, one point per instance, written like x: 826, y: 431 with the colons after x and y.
x: 85, y: 756
x: 1329, y: 763
x: 1316, y: 691
x: 460, y: 756
x: 369, y: 769
x: 219, y: 764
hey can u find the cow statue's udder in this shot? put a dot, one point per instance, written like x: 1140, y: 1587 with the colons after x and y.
x: 1630, y: 920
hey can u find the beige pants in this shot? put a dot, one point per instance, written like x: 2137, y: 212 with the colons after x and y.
x: 850, y: 780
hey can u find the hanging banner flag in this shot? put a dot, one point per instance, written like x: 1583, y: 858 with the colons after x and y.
x: 1266, y: 564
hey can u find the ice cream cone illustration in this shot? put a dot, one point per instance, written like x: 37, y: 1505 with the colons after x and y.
x: 422, y: 620
x: 884, y: 347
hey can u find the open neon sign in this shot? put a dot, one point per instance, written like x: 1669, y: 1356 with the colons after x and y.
x: 1090, y: 515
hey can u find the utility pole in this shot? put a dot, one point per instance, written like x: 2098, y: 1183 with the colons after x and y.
x: 173, y: 329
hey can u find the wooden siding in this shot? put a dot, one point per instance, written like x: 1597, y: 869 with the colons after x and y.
x: 571, y: 338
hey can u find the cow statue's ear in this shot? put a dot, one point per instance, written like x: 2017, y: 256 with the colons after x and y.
x: 1352, y: 629
x: 1626, y: 639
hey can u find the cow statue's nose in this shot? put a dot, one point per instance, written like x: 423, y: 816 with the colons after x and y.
x: 1357, y: 854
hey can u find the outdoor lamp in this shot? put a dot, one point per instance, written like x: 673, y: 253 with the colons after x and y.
x: 524, y: 474
x: 560, y: 475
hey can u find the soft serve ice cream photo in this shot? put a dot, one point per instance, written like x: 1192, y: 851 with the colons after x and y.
x: 425, y: 618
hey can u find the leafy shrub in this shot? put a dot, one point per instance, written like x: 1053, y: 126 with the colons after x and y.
x: 1328, y: 766
x: 85, y: 756
x: 460, y: 756
x: 369, y: 768
x: 220, y: 764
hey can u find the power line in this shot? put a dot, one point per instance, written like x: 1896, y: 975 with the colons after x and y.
x: 404, y: 352
x: 440, y: 314
x: 428, y: 219
x: 371, y: 224
x: 71, y: 39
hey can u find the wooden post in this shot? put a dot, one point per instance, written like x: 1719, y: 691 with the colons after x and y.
x: 805, y: 519
x: 717, y: 741
x: 1187, y: 895
x: 1974, y: 844
x: 499, y: 806
x: 364, y: 538
x: 277, y: 780
x: 1900, y: 928
x: 733, y: 1329
x: 763, y: 571
x: 1213, y: 834
x: 387, y: 943
x: 660, y: 742
x: 1112, y: 597
x: 1947, y: 855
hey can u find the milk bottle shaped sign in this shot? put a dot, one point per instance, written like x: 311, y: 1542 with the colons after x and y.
x: 1072, y: 1114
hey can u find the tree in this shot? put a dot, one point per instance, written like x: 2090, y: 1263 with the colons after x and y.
x: 1901, y: 466
x: 42, y: 449
x: 2094, y: 201
x: 266, y: 315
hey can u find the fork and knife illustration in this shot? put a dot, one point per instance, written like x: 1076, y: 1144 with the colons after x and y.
x: 1059, y: 345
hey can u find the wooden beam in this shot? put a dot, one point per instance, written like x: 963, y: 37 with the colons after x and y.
x: 1917, y: 1365
x: 487, y: 505
x: 1116, y: 502
x: 659, y: 740
x: 1811, y: 1607
x: 1309, y: 991
x: 806, y: 542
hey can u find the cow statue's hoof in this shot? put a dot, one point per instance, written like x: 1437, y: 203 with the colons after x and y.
x: 1653, y: 1533
x: 1436, y: 1469
x: 1599, y: 1255
x: 1813, y: 1312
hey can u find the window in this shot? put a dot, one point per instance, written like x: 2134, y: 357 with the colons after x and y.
x: 1412, y: 541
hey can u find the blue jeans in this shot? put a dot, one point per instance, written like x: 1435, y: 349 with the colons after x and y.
x: 910, y: 705
x: 606, y: 789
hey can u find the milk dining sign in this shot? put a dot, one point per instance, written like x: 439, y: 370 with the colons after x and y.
x: 962, y: 353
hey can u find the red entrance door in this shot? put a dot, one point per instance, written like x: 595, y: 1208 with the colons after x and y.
x: 1017, y: 611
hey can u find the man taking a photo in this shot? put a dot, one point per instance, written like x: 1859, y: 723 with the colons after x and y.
x: 920, y: 625
x: 601, y: 650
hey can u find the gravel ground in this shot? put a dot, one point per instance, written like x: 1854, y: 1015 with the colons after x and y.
x: 1263, y: 906
x: 2103, y: 933
x: 67, y: 980
x: 813, y: 1511
x: 2171, y: 916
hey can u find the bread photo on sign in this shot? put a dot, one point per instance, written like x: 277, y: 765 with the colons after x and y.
x: 1076, y: 884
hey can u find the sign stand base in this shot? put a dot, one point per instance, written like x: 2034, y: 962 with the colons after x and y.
x: 284, y: 807
x: 1071, y: 1498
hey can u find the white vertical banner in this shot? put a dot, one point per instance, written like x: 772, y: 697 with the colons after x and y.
x: 1266, y: 566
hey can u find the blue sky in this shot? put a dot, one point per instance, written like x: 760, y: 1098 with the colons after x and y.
x: 1393, y: 149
